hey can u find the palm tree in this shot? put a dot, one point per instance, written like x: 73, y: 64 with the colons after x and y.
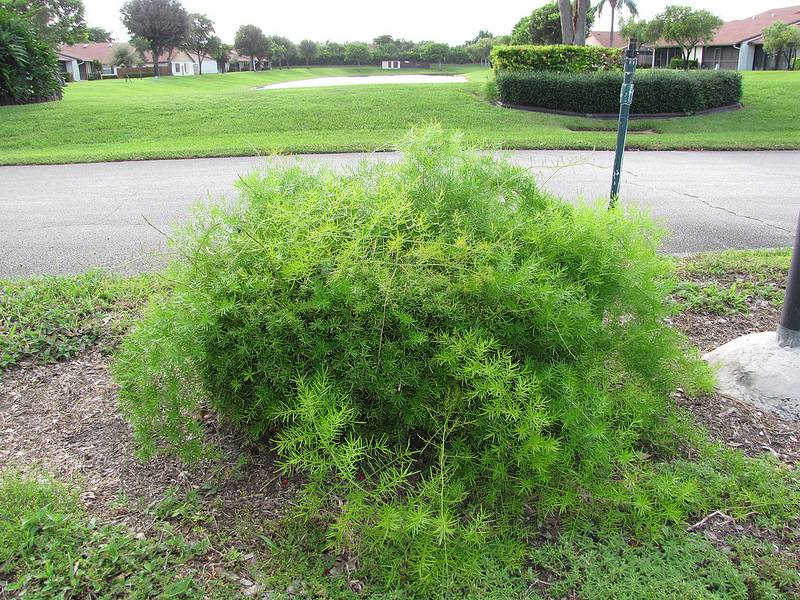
x: 629, y: 4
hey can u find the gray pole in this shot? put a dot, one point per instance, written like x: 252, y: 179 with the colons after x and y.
x: 789, y: 327
x: 625, y: 100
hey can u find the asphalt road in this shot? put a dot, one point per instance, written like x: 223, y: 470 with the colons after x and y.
x: 69, y: 218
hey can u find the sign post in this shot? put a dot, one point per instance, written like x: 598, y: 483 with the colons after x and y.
x: 625, y: 100
x: 789, y: 327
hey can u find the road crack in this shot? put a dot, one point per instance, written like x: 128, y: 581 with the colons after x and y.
x: 714, y: 206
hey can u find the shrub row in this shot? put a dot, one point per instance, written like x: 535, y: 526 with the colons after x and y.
x: 678, y: 63
x: 560, y: 59
x: 656, y: 91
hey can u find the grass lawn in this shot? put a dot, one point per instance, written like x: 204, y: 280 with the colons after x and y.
x: 224, y: 115
x: 225, y: 530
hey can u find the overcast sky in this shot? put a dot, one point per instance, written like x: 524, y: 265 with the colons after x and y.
x: 451, y: 21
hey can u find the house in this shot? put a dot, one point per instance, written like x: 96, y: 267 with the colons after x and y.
x: 404, y: 64
x: 240, y: 62
x: 740, y: 44
x: 603, y: 38
x: 70, y: 67
x: 77, y: 60
x: 737, y: 44
x: 180, y: 64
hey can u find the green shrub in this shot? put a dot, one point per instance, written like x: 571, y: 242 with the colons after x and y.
x: 655, y: 91
x: 28, y: 66
x: 678, y: 63
x: 561, y: 58
x: 438, y: 344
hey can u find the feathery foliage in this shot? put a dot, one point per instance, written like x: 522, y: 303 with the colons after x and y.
x: 438, y: 346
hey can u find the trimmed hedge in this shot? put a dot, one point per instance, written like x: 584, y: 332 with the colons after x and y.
x: 656, y: 91
x: 679, y: 63
x: 560, y: 59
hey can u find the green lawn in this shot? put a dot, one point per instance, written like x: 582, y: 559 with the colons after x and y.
x: 224, y: 115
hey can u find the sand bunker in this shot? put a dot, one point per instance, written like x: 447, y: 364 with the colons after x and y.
x: 367, y: 80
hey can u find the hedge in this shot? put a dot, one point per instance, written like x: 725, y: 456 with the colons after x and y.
x: 678, y: 63
x: 561, y: 58
x: 656, y: 91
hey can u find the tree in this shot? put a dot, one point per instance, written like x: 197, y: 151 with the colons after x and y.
x: 356, y: 52
x: 123, y: 57
x: 383, y: 40
x: 28, y: 65
x: 308, y: 50
x: 644, y: 32
x: 629, y: 4
x: 163, y: 23
x: 483, y: 34
x: 686, y: 27
x: 220, y: 52
x: 434, y: 52
x: 289, y: 49
x: 251, y: 41
x: 278, y: 52
x: 782, y: 39
x: 543, y: 26
x: 58, y: 21
x: 573, y: 16
x: 521, y: 34
x: 98, y: 34
x: 141, y: 46
x: 331, y: 53
x: 482, y: 49
x: 201, y: 32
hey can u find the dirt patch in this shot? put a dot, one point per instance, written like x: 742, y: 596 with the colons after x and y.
x: 731, y: 421
x: 708, y: 331
x: 64, y: 418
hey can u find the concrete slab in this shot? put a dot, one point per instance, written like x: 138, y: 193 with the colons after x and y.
x: 755, y: 368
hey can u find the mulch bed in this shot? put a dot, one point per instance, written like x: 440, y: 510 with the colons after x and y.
x: 63, y: 418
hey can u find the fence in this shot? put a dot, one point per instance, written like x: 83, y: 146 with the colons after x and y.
x: 136, y: 72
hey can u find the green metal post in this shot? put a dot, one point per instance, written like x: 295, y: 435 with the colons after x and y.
x: 625, y: 100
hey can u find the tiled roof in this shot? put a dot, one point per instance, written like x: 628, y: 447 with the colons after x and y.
x: 603, y: 38
x: 734, y: 32
x: 104, y: 52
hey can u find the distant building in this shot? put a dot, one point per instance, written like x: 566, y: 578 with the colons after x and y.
x: 404, y: 64
x: 737, y: 44
x: 76, y: 60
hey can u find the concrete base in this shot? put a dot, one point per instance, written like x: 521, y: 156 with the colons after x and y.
x: 755, y: 368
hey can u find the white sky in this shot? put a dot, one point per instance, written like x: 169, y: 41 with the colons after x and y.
x: 451, y: 21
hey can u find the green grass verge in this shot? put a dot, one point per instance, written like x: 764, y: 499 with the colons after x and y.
x: 224, y: 115
x: 50, y: 318
x: 728, y: 282
x: 50, y: 548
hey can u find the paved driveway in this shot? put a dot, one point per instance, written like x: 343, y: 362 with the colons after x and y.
x: 69, y: 218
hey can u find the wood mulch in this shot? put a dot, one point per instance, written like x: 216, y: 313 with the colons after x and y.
x: 63, y: 418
